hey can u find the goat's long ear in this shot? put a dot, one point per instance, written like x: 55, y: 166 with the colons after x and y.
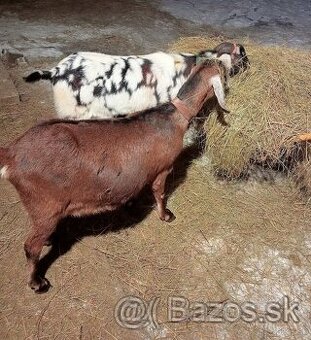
x: 219, y: 92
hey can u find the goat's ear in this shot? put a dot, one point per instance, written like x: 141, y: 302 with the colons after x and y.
x: 219, y: 92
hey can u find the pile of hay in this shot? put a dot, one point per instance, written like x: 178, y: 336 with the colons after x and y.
x: 269, y: 105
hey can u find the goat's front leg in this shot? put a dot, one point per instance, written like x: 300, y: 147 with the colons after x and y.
x: 37, y: 238
x: 158, y: 188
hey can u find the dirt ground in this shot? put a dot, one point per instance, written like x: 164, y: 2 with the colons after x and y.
x: 240, y: 242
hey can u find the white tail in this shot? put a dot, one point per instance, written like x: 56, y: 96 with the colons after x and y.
x: 4, y: 172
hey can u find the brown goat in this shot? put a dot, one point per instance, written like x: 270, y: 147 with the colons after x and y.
x: 62, y: 168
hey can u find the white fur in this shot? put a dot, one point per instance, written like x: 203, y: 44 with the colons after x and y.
x: 64, y: 100
x: 4, y: 172
x: 226, y: 59
x: 159, y: 86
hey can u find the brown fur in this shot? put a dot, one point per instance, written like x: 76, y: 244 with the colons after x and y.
x: 62, y: 168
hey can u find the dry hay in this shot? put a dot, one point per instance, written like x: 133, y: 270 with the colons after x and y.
x: 231, y: 241
x: 270, y: 103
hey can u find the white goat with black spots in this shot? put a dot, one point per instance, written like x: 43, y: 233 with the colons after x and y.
x: 91, y: 85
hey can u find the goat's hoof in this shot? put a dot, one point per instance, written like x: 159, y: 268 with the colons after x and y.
x: 40, y: 285
x: 169, y: 216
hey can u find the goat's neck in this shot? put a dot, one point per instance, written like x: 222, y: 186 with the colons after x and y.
x: 188, y: 108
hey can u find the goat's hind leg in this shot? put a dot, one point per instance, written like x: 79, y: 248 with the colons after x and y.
x: 37, y: 238
x: 158, y: 188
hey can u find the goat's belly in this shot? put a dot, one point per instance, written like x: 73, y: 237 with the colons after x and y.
x: 105, y: 197
x: 86, y: 103
x: 122, y: 103
x: 124, y: 188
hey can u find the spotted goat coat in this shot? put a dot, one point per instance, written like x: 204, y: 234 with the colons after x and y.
x: 91, y: 85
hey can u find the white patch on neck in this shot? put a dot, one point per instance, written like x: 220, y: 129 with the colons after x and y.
x: 210, y: 55
x: 4, y: 173
x: 226, y: 59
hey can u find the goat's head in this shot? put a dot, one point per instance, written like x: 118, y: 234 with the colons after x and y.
x: 236, y: 52
x: 207, y: 81
x: 239, y: 59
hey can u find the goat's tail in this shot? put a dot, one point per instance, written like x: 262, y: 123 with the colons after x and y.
x: 38, y: 75
x: 4, y: 158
